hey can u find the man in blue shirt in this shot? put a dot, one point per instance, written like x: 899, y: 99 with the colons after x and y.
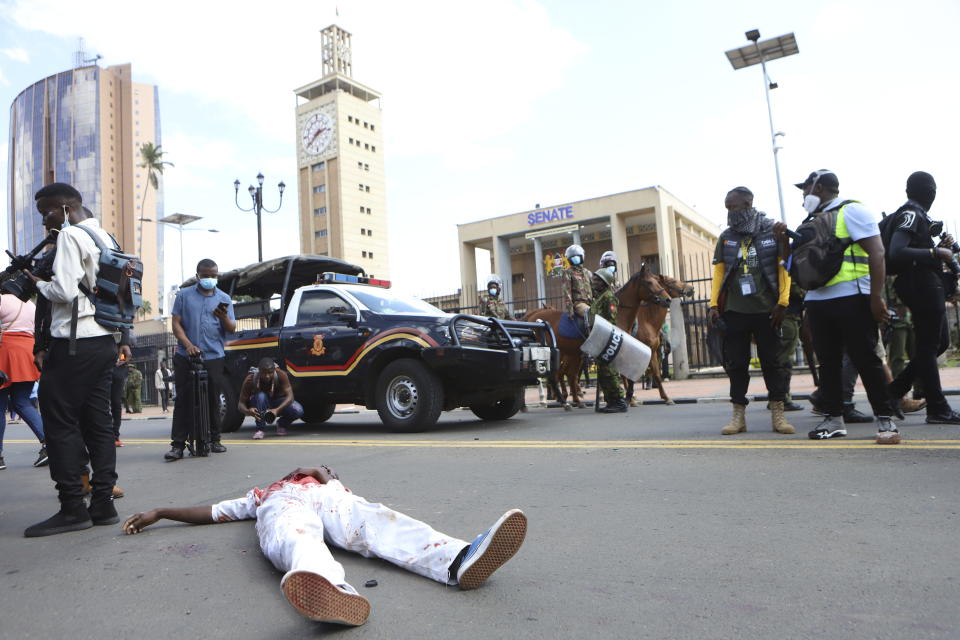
x: 202, y: 318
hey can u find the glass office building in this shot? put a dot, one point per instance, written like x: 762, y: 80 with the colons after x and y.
x: 85, y: 127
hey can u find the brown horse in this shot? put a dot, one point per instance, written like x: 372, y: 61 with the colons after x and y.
x: 643, y: 286
x: 649, y: 318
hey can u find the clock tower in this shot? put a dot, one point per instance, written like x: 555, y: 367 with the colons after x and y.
x: 340, y: 163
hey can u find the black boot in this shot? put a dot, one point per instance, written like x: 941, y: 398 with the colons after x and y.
x: 617, y: 406
x: 175, y: 453
x: 71, y: 517
x: 103, y: 512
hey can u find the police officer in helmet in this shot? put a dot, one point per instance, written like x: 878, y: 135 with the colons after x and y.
x: 491, y: 304
x: 608, y: 259
x: 919, y: 261
x: 605, y: 305
x: 577, y: 291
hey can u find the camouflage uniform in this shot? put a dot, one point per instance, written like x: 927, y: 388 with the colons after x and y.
x: 132, y: 390
x: 576, y: 288
x: 608, y: 378
x: 493, y: 306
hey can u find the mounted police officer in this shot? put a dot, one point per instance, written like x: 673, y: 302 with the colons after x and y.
x: 577, y: 292
x: 608, y: 378
x: 753, y: 289
x: 919, y: 261
x: 491, y: 305
x: 608, y: 259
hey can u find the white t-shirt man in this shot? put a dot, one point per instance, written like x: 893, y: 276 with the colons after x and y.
x: 861, y: 223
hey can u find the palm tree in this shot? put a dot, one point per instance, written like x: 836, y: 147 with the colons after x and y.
x: 153, y: 162
x: 145, y: 309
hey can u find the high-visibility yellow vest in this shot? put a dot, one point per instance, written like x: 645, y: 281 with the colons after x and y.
x: 856, y: 261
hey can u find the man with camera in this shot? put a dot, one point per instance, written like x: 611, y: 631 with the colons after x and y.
x: 76, y: 367
x: 266, y: 395
x: 919, y: 260
x: 202, y: 316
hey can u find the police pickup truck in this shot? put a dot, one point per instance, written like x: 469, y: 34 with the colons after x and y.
x: 350, y: 339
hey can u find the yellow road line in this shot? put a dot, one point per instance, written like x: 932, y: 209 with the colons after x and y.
x: 570, y: 444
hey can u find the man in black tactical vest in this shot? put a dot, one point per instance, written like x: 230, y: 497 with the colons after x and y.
x: 919, y: 261
x: 748, y: 301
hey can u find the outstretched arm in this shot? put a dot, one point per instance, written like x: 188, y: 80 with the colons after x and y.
x: 191, y: 515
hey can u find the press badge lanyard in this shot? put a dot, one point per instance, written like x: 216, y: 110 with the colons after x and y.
x: 747, y: 285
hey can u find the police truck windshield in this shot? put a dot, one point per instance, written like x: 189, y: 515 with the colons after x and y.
x: 383, y: 301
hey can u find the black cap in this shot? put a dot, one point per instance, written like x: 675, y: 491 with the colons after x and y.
x: 822, y: 176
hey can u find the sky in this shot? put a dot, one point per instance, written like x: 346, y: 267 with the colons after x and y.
x: 491, y: 107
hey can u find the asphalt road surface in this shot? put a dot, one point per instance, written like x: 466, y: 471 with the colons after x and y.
x: 645, y: 525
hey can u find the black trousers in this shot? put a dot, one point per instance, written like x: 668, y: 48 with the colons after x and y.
x: 75, y: 405
x: 118, y: 379
x: 182, y: 408
x: 164, y: 398
x: 742, y: 330
x: 922, y: 292
x: 847, y: 324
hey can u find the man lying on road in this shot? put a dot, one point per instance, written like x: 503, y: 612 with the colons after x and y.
x: 294, y: 513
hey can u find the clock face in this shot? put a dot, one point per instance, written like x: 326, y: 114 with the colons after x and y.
x: 317, y: 133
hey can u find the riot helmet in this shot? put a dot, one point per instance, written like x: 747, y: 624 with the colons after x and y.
x: 574, y: 254
x: 608, y: 259
x: 607, y: 274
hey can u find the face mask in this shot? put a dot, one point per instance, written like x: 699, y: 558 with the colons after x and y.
x: 575, y: 260
x: 743, y: 220
x: 207, y: 283
x: 810, y: 203
x: 610, y: 266
x: 66, y: 218
x: 493, y: 291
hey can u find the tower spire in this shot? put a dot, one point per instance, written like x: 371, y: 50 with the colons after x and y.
x: 335, y: 49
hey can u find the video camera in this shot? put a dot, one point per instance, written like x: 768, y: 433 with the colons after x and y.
x: 953, y: 264
x: 14, y: 281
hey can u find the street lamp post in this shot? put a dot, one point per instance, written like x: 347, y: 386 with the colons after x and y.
x: 763, y: 52
x: 256, y: 195
x: 178, y: 220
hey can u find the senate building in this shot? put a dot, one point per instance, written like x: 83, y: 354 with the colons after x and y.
x: 646, y: 226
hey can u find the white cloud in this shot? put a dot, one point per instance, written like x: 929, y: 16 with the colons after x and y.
x: 16, y: 54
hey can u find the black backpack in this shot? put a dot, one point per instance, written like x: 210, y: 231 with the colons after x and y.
x: 116, y: 297
x: 818, y: 253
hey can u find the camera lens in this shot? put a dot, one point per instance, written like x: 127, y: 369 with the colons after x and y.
x: 20, y: 285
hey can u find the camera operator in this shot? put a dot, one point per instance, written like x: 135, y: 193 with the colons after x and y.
x: 202, y: 318
x: 75, y: 369
x: 920, y: 286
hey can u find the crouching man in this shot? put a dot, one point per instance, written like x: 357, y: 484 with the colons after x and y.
x: 295, y: 514
x: 266, y: 395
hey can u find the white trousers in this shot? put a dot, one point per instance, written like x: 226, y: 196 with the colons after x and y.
x: 294, y: 522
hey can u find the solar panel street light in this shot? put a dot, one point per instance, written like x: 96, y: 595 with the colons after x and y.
x: 761, y: 52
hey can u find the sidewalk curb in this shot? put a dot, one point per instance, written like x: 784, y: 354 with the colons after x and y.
x: 860, y: 395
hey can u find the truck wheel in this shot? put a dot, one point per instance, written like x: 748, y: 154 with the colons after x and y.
x: 228, y: 414
x: 501, y: 409
x: 315, y: 414
x: 409, y: 396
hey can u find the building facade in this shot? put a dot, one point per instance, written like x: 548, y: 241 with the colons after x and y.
x: 341, y: 186
x: 647, y: 226
x: 85, y: 127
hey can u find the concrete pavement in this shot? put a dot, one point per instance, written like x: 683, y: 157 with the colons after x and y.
x: 644, y: 525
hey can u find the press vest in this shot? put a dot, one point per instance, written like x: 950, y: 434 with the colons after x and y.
x: 856, y: 261
x: 767, y: 255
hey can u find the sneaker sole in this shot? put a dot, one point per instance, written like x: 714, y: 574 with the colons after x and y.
x: 501, y: 545
x: 318, y: 599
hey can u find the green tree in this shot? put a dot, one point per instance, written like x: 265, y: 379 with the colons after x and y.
x: 152, y: 160
x: 145, y: 309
